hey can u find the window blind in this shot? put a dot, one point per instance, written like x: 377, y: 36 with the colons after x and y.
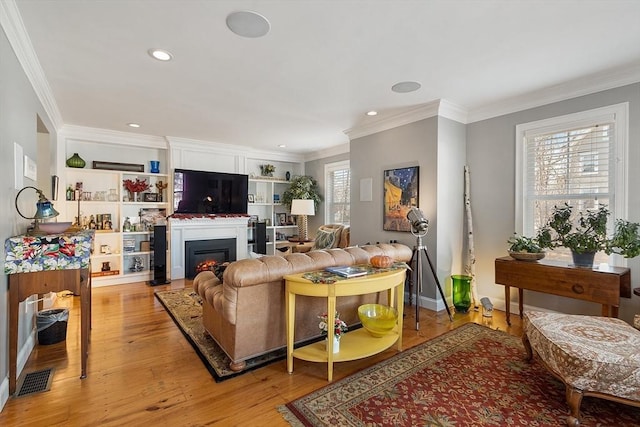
x: 339, y: 195
x: 568, y: 166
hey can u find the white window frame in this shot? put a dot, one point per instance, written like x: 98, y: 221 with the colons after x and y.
x: 328, y: 169
x: 618, y: 113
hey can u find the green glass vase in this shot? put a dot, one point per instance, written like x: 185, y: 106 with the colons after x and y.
x: 75, y: 161
x: 461, y: 293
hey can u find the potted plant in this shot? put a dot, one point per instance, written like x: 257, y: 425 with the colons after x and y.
x: 302, y: 187
x: 587, y: 234
x: 267, y: 170
x: 525, y: 248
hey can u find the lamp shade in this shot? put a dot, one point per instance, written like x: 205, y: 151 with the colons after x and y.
x: 45, y: 210
x: 302, y: 207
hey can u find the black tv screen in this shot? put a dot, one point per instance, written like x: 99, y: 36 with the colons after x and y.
x: 209, y: 192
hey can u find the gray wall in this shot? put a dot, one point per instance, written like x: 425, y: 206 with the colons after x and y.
x: 19, y: 111
x: 414, y: 144
x: 491, y: 156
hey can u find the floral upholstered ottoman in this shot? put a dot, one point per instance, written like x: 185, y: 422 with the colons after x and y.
x: 593, y: 356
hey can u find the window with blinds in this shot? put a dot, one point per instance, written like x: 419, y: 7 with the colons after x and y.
x: 338, y: 193
x: 578, y: 159
x: 569, y: 166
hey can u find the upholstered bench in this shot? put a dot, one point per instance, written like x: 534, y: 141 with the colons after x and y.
x: 593, y: 356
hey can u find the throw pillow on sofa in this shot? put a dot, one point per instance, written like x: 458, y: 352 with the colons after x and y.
x: 325, y: 239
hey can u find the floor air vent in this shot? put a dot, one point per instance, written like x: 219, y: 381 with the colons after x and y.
x: 35, y: 382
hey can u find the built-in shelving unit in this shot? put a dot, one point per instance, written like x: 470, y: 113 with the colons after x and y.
x: 122, y: 253
x: 265, y: 193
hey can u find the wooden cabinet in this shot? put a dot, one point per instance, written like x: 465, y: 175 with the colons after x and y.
x: 599, y: 286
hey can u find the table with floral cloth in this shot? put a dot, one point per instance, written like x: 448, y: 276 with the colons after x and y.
x: 27, y: 254
x: 48, y: 263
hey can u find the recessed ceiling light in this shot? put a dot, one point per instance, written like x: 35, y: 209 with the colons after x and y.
x: 372, y: 113
x: 133, y: 125
x: 160, y: 55
x: 404, y: 87
x: 282, y: 146
x: 248, y: 24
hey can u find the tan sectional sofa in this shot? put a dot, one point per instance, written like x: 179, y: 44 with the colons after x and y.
x: 245, y: 314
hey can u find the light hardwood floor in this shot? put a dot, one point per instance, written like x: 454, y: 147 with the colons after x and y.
x: 141, y: 370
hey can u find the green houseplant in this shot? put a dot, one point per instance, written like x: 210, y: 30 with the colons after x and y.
x: 525, y: 248
x: 587, y: 234
x: 302, y: 187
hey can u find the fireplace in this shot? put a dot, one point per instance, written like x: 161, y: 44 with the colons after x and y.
x: 197, y: 251
x: 183, y: 230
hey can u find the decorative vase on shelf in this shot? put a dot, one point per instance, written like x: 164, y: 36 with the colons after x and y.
x: 76, y: 161
x: 113, y: 195
x: 155, y: 166
x: 336, y: 343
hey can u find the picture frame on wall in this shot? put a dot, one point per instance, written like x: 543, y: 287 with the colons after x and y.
x: 401, y: 193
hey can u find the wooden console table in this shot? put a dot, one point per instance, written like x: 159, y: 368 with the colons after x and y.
x: 550, y: 277
x: 354, y: 344
x: 43, y: 264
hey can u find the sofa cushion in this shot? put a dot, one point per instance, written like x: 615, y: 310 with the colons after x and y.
x: 325, y: 239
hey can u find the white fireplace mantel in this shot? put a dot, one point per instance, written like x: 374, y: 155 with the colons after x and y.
x: 184, y: 230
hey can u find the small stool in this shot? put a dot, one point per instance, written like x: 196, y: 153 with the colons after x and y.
x: 592, y: 356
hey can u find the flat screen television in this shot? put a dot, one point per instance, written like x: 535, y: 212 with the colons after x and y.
x: 209, y: 192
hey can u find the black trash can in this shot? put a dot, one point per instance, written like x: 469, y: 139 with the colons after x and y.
x: 52, y: 325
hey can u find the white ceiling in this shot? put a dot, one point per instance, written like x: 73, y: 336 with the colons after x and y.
x: 323, y: 64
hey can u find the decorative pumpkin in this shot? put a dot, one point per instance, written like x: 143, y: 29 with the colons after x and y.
x: 381, y: 261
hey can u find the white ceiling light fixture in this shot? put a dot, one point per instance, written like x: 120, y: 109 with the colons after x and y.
x: 282, y: 145
x: 372, y: 113
x: 160, y: 54
x: 133, y: 125
x: 248, y: 24
x: 405, y: 87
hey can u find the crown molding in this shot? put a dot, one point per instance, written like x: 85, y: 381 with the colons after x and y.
x: 328, y: 152
x: 13, y: 26
x: 439, y: 107
x: 200, y: 145
x: 453, y: 111
x: 385, y: 123
x: 106, y: 136
x: 587, y: 85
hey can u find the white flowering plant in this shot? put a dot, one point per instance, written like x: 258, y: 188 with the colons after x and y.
x: 339, y: 326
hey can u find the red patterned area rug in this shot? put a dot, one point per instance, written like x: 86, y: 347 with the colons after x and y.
x: 471, y: 376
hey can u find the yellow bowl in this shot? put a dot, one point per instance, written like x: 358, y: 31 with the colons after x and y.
x: 378, y: 319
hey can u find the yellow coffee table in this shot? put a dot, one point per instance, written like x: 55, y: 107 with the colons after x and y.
x: 354, y: 344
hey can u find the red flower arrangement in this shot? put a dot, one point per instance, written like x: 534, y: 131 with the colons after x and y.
x: 137, y: 186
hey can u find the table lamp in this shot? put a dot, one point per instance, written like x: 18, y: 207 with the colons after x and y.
x: 302, y: 208
x: 44, y: 210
